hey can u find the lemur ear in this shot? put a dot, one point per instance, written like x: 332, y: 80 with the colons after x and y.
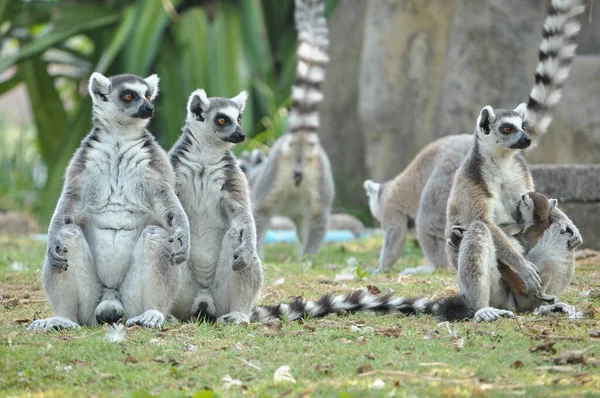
x: 486, y: 117
x: 370, y: 187
x: 553, y: 203
x: 99, y: 86
x: 198, y: 104
x: 240, y: 100
x: 521, y: 110
x: 152, y: 82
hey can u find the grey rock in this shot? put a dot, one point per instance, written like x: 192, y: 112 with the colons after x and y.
x: 400, y: 79
x: 568, y: 183
x: 341, y: 132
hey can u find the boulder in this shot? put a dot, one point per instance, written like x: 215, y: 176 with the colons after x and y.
x: 402, y: 70
x: 341, y: 132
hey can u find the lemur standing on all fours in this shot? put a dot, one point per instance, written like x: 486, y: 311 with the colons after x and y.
x: 109, y: 242
x: 295, y: 180
x: 223, y: 277
x: 486, y: 193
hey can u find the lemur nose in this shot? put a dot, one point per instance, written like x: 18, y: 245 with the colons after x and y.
x: 149, y: 107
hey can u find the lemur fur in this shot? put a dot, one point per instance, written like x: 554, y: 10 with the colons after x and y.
x: 223, y: 276
x: 109, y: 253
x: 295, y: 180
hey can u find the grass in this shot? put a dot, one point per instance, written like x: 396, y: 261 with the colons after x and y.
x: 343, y: 356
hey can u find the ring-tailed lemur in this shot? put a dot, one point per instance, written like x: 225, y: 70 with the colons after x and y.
x: 486, y: 191
x: 223, y: 277
x: 489, y: 184
x: 424, y: 190
x: 295, y: 180
x: 109, y: 252
x: 421, y: 191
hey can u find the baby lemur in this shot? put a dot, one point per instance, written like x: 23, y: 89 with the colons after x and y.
x: 109, y: 253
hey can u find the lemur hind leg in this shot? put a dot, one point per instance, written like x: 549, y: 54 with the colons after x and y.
x: 75, y: 292
x: 152, y: 283
x: 479, y: 280
x: 394, y: 240
x: 315, y: 230
x: 235, y: 292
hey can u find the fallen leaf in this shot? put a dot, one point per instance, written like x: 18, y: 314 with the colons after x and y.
x: 279, y: 281
x: 594, y: 333
x: 282, y: 375
x: 377, y: 384
x: 229, y: 382
x: 190, y: 347
x: 364, y: 368
x: 370, y: 356
x: 395, y: 331
x: 459, y: 344
x: 570, y: 357
x: 545, y: 347
x: 517, y: 364
x: 432, y: 334
x: 130, y: 359
x: 22, y: 321
x: 374, y: 290
x: 324, y: 369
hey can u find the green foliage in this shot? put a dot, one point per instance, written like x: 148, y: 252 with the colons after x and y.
x: 224, y: 46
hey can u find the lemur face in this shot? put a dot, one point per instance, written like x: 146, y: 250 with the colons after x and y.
x: 503, y: 128
x: 219, y: 117
x: 126, y: 99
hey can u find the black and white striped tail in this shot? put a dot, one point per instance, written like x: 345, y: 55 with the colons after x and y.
x: 310, y: 69
x: 453, y: 308
x: 557, y: 50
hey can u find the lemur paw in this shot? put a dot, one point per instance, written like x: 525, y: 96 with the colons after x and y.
x: 568, y: 227
x: 234, y: 317
x: 529, y: 274
x: 244, y: 257
x: 490, y: 314
x: 557, y: 307
x: 149, y: 319
x: 54, y: 323
x: 547, y: 298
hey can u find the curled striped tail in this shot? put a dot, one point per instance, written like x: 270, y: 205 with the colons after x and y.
x: 556, y: 54
x: 312, y: 60
x: 453, y: 308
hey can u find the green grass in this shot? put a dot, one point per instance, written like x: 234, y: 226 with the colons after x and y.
x: 335, y: 356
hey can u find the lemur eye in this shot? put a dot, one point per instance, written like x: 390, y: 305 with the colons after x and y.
x: 221, y: 121
x: 148, y: 97
x: 239, y: 120
x: 128, y: 97
x: 506, y: 130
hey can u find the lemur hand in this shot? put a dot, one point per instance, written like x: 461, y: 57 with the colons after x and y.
x: 181, y: 234
x: 456, y: 236
x: 567, y: 226
x: 528, y: 273
x: 56, y: 250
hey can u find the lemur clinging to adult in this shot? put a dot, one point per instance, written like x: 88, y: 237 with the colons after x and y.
x: 223, y: 276
x: 295, y: 180
x: 109, y: 253
x: 486, y: 192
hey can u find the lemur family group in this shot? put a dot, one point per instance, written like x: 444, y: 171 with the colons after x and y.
x: 141, y: 235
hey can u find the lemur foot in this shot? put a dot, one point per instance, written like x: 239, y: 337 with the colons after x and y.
x: 149, y: 319
x: 558, y: 307
x: 54, y: 323
x: 203, y: 309
x: 490, y: 314
x: 234, y: 317
x: 421, y: 269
